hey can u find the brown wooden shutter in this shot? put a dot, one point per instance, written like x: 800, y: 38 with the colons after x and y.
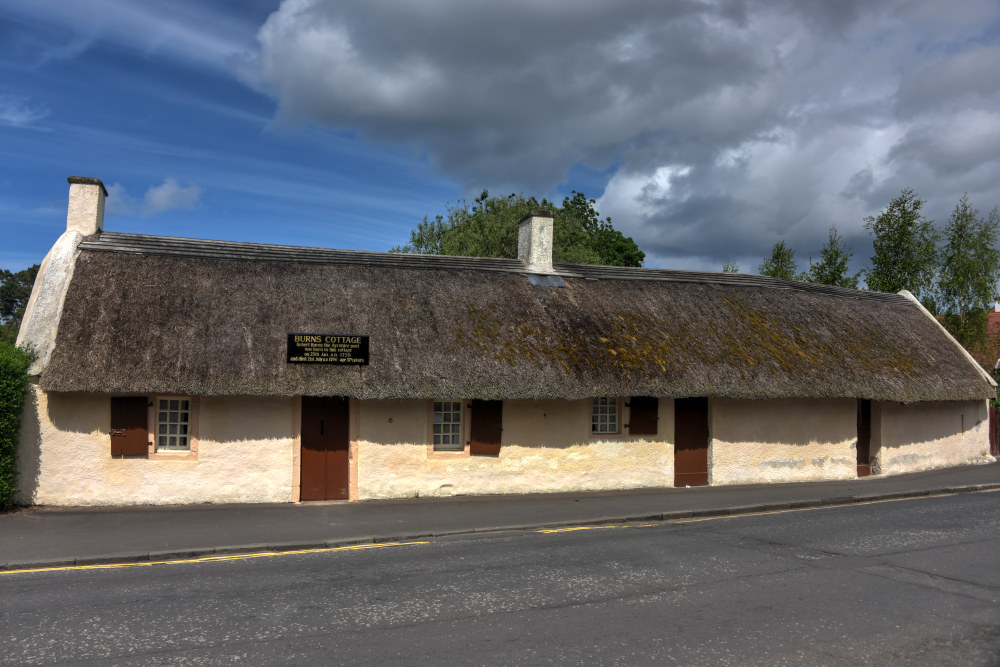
x: 129, y: 431
x: 486, y: 427
x: 643, y: 415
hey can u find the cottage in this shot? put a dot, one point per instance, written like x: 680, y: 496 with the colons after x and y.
x: 176, y: 370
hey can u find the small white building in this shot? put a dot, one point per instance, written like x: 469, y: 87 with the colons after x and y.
x: 177, y: 370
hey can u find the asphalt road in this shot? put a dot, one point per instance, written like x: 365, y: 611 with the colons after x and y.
x: 905, y: 582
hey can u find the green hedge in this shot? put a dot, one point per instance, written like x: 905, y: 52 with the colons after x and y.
x: 14, y: 364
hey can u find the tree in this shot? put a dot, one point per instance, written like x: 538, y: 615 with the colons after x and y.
x: 781, y: 263
x: 905, y: 246
x: 831, y: 269
x: 489, y: 228
x: 730, y: 267
x: 969, y: 271
x: 14, y: 363
x: 612, y: 247
x: 15, y: 289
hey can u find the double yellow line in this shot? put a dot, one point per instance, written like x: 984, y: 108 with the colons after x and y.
x: 383, y: 545
x: 213, y: 559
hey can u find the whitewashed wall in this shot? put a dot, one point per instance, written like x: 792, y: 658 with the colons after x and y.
x: 546, y: 447
x: 244, y: 455
x: 789, y: 440
x: 907, y: 438
x: 246, y: 449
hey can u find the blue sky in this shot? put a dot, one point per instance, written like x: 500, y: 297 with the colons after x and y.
x: 708, y: 131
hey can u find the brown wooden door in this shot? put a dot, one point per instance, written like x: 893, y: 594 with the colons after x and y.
x: 486, y: 428
x: 864, y: 438
x: 325, y: 448
x: 691, y: 442
x: 129, y: 430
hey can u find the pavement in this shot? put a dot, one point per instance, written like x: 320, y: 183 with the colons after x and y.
x: 37, y: 537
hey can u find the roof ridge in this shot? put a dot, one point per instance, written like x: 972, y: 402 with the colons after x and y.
x: 148, y: 244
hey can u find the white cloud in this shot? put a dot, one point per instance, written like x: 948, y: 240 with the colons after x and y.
x: 167, y: 196
x: 17, y: 111
x: 731, y: 125
x: 171, y: 195
x: 192, y: 32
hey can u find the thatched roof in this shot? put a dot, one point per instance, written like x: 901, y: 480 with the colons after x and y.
x: 153, y: 314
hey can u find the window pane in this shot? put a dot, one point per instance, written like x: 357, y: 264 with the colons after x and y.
x: 447, y: 429
x: 604, y: 418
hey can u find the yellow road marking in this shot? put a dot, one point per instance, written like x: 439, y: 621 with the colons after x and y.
x: 212, y: 559
x: 776, y: 511
x: 571, y: 528
x: 357, y: 547
x: 818, y: 507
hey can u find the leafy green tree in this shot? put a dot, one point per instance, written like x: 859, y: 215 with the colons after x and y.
x: 15, y: 289
x: 730, y: 267
x: 969, y: 272
x: 781, y: 263
x: 14, y: 363
x: 611, y: 246
x: 905, y: 246
x: 489, y: 228
x: 831, y: 269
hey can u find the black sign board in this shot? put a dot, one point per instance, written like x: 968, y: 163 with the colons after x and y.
x: 345, y: 349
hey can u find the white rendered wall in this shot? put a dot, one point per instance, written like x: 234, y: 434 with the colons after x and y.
x: 789, y: 440
x: 244, y: 455
x: 546, y: 447
x: 920, y: 436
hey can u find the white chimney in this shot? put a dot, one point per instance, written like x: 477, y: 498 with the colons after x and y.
x: 86, y: 205
x: 534, y: 241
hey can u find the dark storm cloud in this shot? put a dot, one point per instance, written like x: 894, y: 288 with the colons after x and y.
x: 731, y: 124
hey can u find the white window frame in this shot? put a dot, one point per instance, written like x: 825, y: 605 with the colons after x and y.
x: 190, y: 452
x: 448, y: 422
x: 605, y: 406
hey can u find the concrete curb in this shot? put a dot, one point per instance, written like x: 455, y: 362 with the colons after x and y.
x: 278, y: 547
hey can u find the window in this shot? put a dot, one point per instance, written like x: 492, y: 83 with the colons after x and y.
x: 155, y: 427
x: 604, y: 417
x: 173, y: 423
x: 447, y: 426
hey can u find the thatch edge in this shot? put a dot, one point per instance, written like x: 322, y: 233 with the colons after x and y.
x: 43, y: 313
x: 906, y: 294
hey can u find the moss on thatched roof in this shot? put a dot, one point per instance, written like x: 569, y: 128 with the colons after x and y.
x: 147, y: 314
